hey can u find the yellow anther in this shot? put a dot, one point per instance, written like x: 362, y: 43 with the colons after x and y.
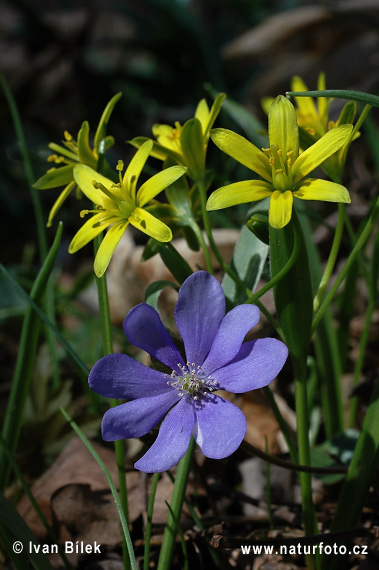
x: 67, y: 136
x: 272, y: 161
x: 279, y: 170
x: 266, y: 150
x: 310, y: 130
x: 331, y: 125
x: 84, y: 213
x: 52, y: 158
x: 280, y: 152
x: 120, y: 166
x: 289, y: 162
x: 290, y: 152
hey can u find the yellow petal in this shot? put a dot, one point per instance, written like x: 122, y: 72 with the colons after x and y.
x: 320, y: 151
x: 85, y: 176
x: 158, y: 182
x: 283, y: 131
x: 242, y: 150
x: 280, y: 210
x: 135, y: 167
x: 238, y: 193
x: 92, y: 228
x: 202, y: 113
x: 305, y: 105
x: 315, y: 189
x: 107, y: 246
x: 58, y: 203
x: 150, y: 225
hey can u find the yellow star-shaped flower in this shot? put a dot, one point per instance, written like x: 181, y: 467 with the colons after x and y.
x: 281, y: 166
x: 118, y: 205
x: 186, y: 144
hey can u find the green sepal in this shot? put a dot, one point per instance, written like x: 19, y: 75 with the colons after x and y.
x: 102, y: 126
x: 258, y: 225
x: 85, y: 152
x: 192, y: 143
x: 214, y: 111
x: 293, y: 293
x: 55, y: 177
x: 348, y: 113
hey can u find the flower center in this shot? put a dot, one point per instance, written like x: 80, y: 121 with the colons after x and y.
x: 281, y: 165
x: 192, y: 382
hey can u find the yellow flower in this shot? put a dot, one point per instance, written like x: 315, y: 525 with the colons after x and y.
x: 187, y: 144
x: 118, y: 205
x: 282, y: 168
x: 312, y: 116
x: 313, y: 120
x: 72, y: 153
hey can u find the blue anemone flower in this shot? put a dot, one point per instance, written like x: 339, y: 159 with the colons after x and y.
x: 216, y: 358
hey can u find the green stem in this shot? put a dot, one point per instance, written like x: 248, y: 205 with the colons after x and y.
x: 295, y: 252
x: 119, y: 446
x: 349, y: 262
x: 332, y: 258
x: 359, y: 476
x: 203, y: 245
x: 177, y: 499
x: 208, y: 230
x: 149, y: 521
x: 302, y: 417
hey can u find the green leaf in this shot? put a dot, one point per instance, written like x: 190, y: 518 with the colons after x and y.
x: 155, y: 289
x: 360, y: 96
x: 248, y: 262
x: 293, y: 294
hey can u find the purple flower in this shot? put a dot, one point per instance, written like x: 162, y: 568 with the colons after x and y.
x: 216, y: 358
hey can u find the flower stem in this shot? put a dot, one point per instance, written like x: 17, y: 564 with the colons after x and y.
x: 106, y: 329
x: 177, y: 499
x: 150, y: 509
x: 332, y: 258
x: 208, y: 230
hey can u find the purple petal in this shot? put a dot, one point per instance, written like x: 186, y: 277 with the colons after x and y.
x: 220, y: 426
x: 256, y: 365
x: 143, y: 328
x: 120, y: 376
x: 230, y: 335
x: 172, y: 441
x: 198, y: 312
x: 136, y: 418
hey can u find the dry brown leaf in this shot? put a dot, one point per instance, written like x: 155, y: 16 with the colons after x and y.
x: 75, y: 466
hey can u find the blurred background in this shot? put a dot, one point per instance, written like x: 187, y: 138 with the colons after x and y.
x: 64, y: 60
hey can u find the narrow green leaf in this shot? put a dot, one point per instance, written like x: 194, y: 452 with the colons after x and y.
x: 155, y: 289
x: 24, y: 539
x: 360, y: 96
x: 25, y: 359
